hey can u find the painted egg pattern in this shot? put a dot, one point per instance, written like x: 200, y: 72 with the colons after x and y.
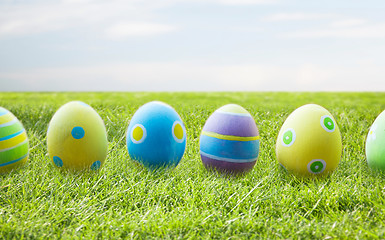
x: 77, y: 137
x: 375, y: 142
x: 156, y: 136
x: 230, y: 140
x: 309, y: 142
x: 13, y: 142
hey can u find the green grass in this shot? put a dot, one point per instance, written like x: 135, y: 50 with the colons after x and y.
x: 124, y: 200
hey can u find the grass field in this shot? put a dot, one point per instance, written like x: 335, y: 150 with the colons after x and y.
x: 124, y: 200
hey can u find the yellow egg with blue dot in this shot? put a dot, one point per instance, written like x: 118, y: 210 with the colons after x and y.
x: 13, y: 142
x: 77, y: 137
x: 309, y: 142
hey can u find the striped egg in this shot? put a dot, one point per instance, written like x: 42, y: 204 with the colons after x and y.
x: 13, y: 142
x: 230, y: 140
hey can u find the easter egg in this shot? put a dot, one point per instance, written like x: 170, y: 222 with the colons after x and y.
x: 77, y: 138
x: 13, y: 142
x: 375, y: 142
x: 309, y: 142
x: 156, y: 136
x: 229, y: 141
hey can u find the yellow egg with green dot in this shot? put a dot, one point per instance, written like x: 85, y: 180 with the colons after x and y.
x: 309, y: 142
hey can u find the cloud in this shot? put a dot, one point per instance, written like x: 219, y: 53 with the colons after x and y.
x: 246, y: 2
x: 115, y: 15
x: 158, y: 76
x: 281, y: 17
x: 360, y: 77
x: 31, y: 18
x: 193, y: 76
x: 365, y: 31
x: 337, y: 26
x: 121, y: 31
x: 352, y: 22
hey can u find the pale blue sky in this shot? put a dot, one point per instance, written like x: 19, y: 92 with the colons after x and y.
x: 192, y: 45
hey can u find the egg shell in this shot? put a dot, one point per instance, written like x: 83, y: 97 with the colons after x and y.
x: 230, y: 140
x: 309, y: 142
x: 375, y: 142
x: 156, y: 136
x: 77, y: 138
x: 13, y: 142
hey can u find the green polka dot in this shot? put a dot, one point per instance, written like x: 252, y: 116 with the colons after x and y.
x: 328, y: 123
x: 288, y: 137
x: 316, y: 167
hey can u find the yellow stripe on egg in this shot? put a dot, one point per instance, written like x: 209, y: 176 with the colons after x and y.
x: 6, y: 118
x: 229, y: 137
x: 14, y: 146
x: 16, y: 152
x: 13, y: 141
x: 10, y: 131
x: 10, y: 123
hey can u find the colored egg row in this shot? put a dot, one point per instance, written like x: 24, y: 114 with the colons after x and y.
x: 308, y: 144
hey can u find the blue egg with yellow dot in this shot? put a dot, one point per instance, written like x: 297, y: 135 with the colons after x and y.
x: 156, y: 136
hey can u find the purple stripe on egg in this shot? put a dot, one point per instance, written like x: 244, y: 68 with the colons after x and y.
x: 234, y: 125
x: 227, y: 166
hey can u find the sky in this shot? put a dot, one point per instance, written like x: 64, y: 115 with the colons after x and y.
x: 192, y: 45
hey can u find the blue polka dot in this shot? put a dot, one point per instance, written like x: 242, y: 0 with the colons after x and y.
x: 77, y: 132
x: 58, y: 162
x: 96, y: 165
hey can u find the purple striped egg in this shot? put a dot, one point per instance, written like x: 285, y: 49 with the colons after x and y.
x: 229, y: 140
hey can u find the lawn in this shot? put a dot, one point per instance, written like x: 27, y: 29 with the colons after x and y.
x: 124, y: 200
